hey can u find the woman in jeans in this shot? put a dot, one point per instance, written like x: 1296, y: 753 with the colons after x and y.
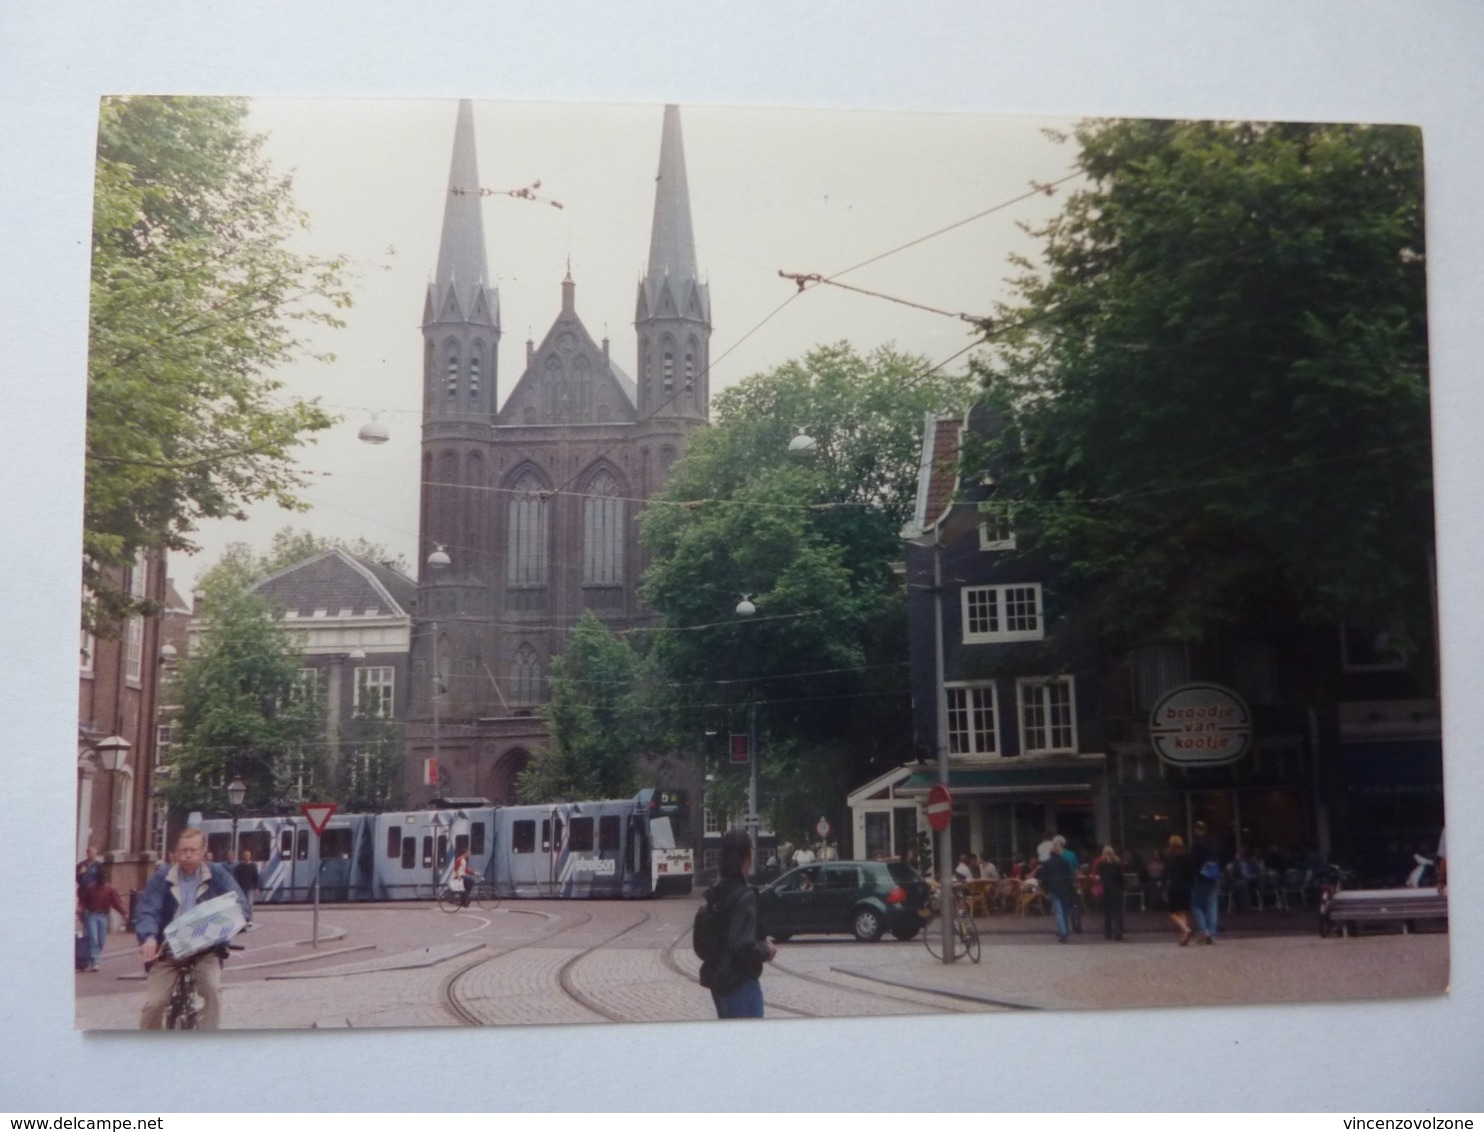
x: 733, y: 976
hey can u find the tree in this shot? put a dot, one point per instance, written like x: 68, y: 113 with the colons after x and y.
x: 598, y: 719
x: 1214, y: 393
x: 369, y: 770
x: 811, y: 543
x: 195, y: 301
x: 245, y: 711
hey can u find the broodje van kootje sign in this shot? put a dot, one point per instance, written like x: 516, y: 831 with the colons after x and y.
x: 1200, y: 725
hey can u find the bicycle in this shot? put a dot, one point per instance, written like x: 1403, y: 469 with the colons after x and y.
x: 186, y: 1004
x: 965, y: 934
x: 483, y: 898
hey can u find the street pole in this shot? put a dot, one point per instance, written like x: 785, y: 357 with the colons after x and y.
x: 946, y: 910
x: 754, y: 823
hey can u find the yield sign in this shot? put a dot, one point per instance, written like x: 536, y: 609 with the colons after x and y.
x: 318, y: 814
x: 939, y: 807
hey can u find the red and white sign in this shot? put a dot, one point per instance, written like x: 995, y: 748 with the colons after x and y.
x: 319, y: 814
x: 430, y: 772
x: 939, y: 808
x: 822, y: 827
x: 1200, y: 725
x: 741, y: 747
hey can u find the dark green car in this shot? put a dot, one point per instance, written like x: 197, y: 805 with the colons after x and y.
x: 862, y: 898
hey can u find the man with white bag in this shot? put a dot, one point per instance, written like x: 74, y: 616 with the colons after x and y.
x: 172, y: 892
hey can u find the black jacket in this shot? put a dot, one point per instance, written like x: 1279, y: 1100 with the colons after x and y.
x: 745, y: 953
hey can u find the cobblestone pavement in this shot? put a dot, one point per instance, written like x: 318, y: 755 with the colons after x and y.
x: 541, y: 962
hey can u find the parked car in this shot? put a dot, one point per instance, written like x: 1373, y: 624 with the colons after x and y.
x: 862, y: 898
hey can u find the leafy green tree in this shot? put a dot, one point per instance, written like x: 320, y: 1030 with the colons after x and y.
x: 245, y: 711
x: 195, y: 301
x: 369, y: 771
x: 1214, y: 390
x: 810, y: 542
x: 599, y: 719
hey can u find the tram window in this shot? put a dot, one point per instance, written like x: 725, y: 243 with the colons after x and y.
x: 546, y: 835
x: 582, y: 835
x: 523, y: 837
x: 559, y: 827
x: 476, y: 838
x: 393, y: 843
x: 217, y: 845
x: 663, y: 834
x: 334, y: 843
x: 258, y: 843
x: 460, y: 843
x: 286, y: 844
x: 427, y: 852
x: 302, y: 851
x: 442, y: 849
x: 608, y: 833
x: 409, y: 852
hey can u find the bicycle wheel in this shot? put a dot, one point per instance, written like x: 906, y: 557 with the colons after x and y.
x: 486, y: 898
x: 449, y: 900
x: 969, y: 936
x: 185, y: 1008
x: 932, y: 937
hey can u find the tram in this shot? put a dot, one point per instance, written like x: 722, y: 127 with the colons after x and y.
x: 616, y: 849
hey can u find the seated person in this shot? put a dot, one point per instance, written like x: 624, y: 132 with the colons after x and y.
x: 987, y: 870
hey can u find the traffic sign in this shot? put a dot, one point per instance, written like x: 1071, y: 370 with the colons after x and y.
x: 319, y: 814
x: 822, y: 827
x: 939, y: 808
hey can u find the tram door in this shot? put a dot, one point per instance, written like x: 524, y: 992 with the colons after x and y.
x: 334, y: 865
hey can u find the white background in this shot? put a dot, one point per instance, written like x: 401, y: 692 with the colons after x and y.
x: 1317, y: 61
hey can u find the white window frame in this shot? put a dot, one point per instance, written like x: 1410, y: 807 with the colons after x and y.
x: 997, y: 530
x: 89, y: 647
x: 977, y: 742
x: 1001, y: 635
x: 1034, y: 692
x: 380, y: 681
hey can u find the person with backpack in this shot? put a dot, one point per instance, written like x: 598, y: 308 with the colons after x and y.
x: 725, y: 935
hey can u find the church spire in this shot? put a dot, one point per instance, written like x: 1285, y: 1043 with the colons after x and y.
x: 672, y: 247
x: 461, y: 251
x: 673, y: 316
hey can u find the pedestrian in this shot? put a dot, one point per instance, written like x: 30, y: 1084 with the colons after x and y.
x: 1043, y: 850
x: 94, y: 901
x: 804, y: 856
x: 90, y: 868
x: 1205, y: 868
x: 1177, y: 886
x: 1110, y: 876
x: 733, y: 974
x: 1075, y: 910
x: 174, y: 890
x: 248, y: 878
x: 1056, y: 880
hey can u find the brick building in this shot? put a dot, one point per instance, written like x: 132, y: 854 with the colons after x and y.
x: 533, y: 501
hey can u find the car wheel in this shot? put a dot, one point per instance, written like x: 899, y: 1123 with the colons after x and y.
x: 868, y: 925
x: 905, y: 934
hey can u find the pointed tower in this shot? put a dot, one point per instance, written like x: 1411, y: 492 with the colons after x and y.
x: 673, y: 316
x: 461, y: 337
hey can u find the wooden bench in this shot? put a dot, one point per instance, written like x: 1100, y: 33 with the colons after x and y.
x: 1353, y: 907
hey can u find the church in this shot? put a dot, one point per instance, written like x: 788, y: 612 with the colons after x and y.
x: 528, y: 507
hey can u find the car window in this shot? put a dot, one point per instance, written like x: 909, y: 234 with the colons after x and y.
x: 837, y: 877
x: 800, y: 880
x: 902, y: 874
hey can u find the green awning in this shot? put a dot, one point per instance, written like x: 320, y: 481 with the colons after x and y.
x: 1004, y: 780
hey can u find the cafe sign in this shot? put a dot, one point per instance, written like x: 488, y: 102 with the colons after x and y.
x: 1200, y: 725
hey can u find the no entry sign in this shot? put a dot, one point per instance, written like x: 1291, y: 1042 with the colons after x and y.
x: 939, y: 808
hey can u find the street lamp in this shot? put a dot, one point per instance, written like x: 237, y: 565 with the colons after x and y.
x: 374, y: 432
x: 745, y: 608
x: 236, y: 794
x: 113, y: 754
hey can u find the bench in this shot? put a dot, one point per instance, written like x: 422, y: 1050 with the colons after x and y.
x: 1353, y: 907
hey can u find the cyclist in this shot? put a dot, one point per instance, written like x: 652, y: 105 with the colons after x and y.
x: 172, y: 891
x: 463, y: 878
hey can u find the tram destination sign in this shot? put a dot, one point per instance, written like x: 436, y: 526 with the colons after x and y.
x: 1201, y: 725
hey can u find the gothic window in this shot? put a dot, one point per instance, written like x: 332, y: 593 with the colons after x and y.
x: 452, y: 372
x: 690, y: 364
x: 525, y: 558
x: 669, y: 373
x: 525, y: 684
x: 530, y: 414
x: 555, y: 390
x: 602, y: 533
x: 583, y: 387
x: 476, y: 371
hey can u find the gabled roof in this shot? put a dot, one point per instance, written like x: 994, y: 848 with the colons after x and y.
x: 336, y: 581
x: 938, y: 471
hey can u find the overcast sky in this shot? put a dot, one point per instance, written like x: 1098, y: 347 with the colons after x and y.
x: 771, y: 190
